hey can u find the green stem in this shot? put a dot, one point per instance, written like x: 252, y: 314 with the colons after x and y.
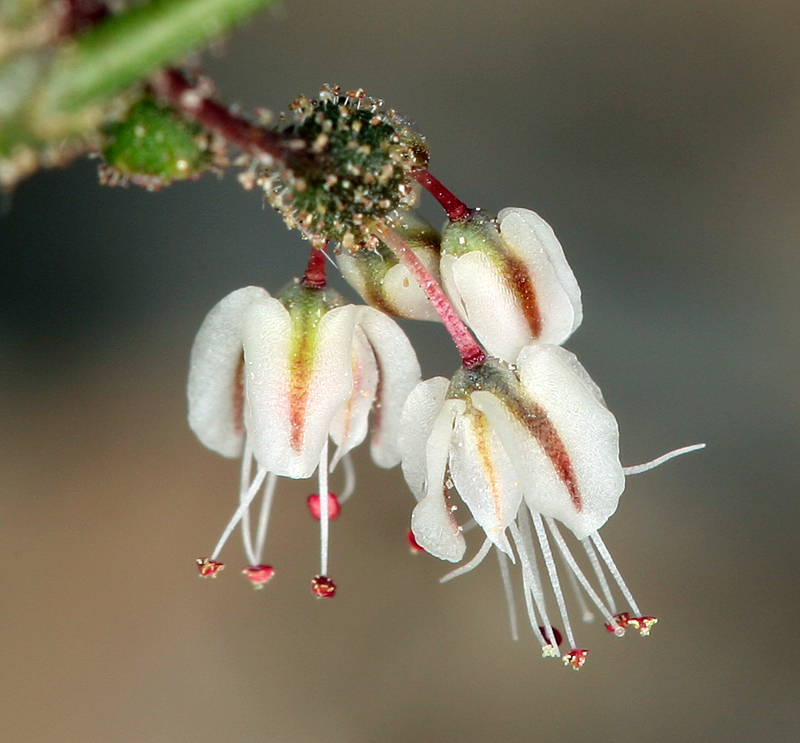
x: 130, y: 46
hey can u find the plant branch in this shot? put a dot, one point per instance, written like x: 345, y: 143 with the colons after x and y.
x: 176, y: 89
x: 127, y: 47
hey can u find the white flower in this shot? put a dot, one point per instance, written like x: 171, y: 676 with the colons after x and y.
x: 272, y: 379
x: 384, y: 282
x: 524, y: 447
x: 509, y: 280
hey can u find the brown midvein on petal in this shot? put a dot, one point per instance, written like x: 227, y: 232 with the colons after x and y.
x: 538, y: 424
x: 521, y: 284
x: 299, y: 373
x: 480, y: 426
x: 238, y: 396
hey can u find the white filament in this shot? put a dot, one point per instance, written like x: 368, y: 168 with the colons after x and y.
x: 263, y: 518
x: 536, y: 586
x: 637, y: 469
x: 578, y: 573
x: 527, y: 581
x: 471, y: 565
x: 244, y: 480
x: 349, y: 478
x: 244, y: 504
x: 322, y: 472
x: 586, y: 613
x: 598, y: 571
x: 550, y: 563
x: 615, y: 574
x: 509, y: 591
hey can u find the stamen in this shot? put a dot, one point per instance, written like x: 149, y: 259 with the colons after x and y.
x: 502, y: 559
x: 637, y: 469
x: 556, y: 636
x: 244, y: 485
x: 643, y: 624
x: 575, y: 568
x: 552, y: 572
x: 615, y: 574
x: 349, y: 478
x: 620, y: 620
x: 529, y: 581
x: 263, y: 517
x: 244, y: 504
x: 208, y: 567
x: 324, y: 511
x: 259, y: 575
x: 524, y: 520
x: 471, y: 565
x: 576, y: 658
x: 601, y: 576
x: 587, y: 615
x: 323, y: 587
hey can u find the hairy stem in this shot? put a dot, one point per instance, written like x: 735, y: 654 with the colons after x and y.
x: 314, y: 277
x: 457, y: 210
x: 469, y: 349
x: 175, y: 88
x: 127, y: 47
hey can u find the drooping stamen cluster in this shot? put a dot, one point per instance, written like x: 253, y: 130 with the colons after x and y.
x: 521, y: 433
x: 272, y: 379
x: 348, y: 164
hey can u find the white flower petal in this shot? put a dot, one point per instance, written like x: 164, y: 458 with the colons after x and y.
x: 420, y: 411
x: 432, y: 522
x: 399, y: 373
x: 558, y: 295
x: 581, y: 436
x: 214, y: 391
x: 486, y: 303
x: 294, y: 384
x: 349, y: 425
x: 484, y: 476
x: 406, y: 295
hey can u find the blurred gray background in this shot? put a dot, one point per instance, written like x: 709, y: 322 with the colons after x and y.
x: 662, y: 142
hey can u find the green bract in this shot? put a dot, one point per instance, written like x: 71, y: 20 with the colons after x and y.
x: 153, y: 146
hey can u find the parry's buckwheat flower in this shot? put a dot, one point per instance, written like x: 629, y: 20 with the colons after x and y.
x: 509, y: 280
x: 533, y: 443
x: 384, y: 282
x: 521, y: 432
x: 273, y: 378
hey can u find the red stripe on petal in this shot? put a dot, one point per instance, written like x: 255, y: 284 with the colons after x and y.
x: 299, y: 374
x: 480, y: 428
x: 522, y: 285
x: 542, y: 429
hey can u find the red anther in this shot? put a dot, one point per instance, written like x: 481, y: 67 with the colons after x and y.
x: 259, y: 575
x: 413, y: 545
x: 556, y: 636
x: 209, y: 568
x: 623, y: 620
x: 576, y: 658
x: 323, y: 587
x: 643, y: 624
x: 334, y: 508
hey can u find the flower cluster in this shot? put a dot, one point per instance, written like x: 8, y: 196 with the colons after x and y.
x: 520, y: 434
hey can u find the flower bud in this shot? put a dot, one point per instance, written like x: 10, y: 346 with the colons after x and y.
x: 385, y: 283
x: 509, y: 280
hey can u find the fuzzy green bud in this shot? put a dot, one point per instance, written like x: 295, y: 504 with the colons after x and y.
x: 153, y: 147
x: 347, y: 165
